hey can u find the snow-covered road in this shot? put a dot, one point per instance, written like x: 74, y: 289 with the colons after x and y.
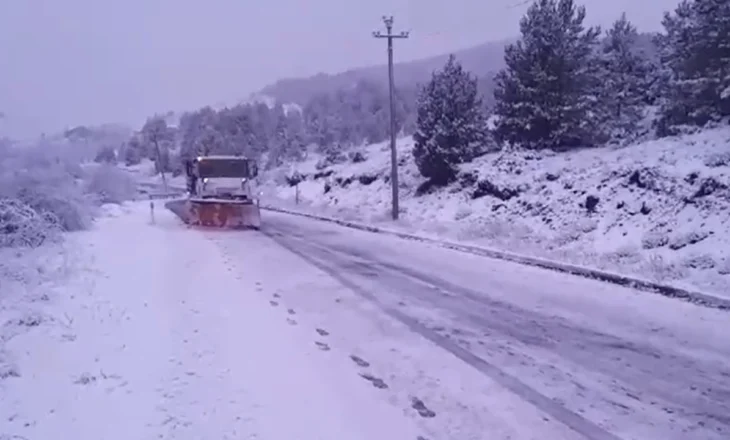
x: 604, y: 361
x: 308, y: 330
x: 163, y: 336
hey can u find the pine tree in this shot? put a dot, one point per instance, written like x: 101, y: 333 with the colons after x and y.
x: 696, y: 48
x: 133, y: 151
x: 319, y: 121
x: 106, y: 154
x: 280, y: 142
x: 196, y: 133
x: 625, y: 79
x: 451, y: 124
x: 546, y: 95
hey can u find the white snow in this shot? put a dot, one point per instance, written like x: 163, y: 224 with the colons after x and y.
x: 650, y: 219
x: 144, y: 173
x: 138, y: 331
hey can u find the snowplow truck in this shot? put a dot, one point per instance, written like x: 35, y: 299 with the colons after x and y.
x: 219, y: 193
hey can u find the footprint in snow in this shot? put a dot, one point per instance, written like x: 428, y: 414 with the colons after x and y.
x: 291, y: 312
x: 291, y: 321
x: 85, y: 379
x: 421, y: 408
x: 7, y: 371
x: 322, y: 346
x: 273, y: 303
x: 376, y: 381
x: 322, y: 332
x: 359, y: 361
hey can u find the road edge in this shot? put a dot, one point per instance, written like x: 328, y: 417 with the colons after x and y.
x: 694, y: 297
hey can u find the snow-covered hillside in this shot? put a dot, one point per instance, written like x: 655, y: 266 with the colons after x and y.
x: 660, y: 209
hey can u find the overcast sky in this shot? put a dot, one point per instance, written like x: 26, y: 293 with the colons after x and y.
x: 71, y: 62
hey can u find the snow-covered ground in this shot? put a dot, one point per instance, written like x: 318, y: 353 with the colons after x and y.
x: 152, y: 332
x: 144, y: 173
x: 659, y: 209
x: 143, y: 328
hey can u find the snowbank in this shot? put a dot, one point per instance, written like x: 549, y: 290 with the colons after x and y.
x: 28, y: 278
x: 43, y: 192
x: 659, y: 209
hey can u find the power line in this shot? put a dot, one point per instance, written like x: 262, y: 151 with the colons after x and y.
x: 390, y: 36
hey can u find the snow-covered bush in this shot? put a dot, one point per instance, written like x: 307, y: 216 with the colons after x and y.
x: 724, y: 267
x: 47, y: 187
x: 718, y: 160
x: 45, y: 190
x: 106, y: 155
x: 109, y: 184
x: 21, y: 225
x: 661, y: 271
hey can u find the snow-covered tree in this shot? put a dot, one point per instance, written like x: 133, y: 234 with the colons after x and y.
x: 625, y: 77
x: 546, y: 95
x: 280, y: 146
x: 236, y: 132
x: 451, y: 124
x: 198, y: 132
x: 133, y: 151
x: 319, y: 120
x: 106, y: 154
x: 695, y: 48
x: 357, y: 114
x: 158, y: 138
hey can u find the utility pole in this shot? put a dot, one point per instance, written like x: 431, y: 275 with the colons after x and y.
x: 393, y: 154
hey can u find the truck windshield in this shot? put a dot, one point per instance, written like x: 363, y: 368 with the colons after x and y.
x: 223, y: 168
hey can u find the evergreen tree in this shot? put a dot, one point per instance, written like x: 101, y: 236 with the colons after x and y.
x: 195, y: 132
x: 695, y: 48
x: 106, y: 154
x: 318, y: 120
x: 237, y: 129
x: 297, y: 138
x: 546, y: 95
x: 451, y: 123
x: 625, y: 79
x: 133, y: 151
x: 280, y: 142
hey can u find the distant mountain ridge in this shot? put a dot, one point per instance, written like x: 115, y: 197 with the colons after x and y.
x: 484, y: 60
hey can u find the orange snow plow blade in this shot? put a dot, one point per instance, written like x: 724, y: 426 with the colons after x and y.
x: 217, y: 213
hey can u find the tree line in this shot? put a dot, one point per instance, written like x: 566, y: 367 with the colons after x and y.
x: 565, y: 85
x: 273, y: 134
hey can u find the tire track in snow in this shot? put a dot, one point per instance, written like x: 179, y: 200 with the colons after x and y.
x: 565, y: 416
x: 347, y: 265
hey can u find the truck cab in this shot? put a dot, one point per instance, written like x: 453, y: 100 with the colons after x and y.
x: 221, y: 177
